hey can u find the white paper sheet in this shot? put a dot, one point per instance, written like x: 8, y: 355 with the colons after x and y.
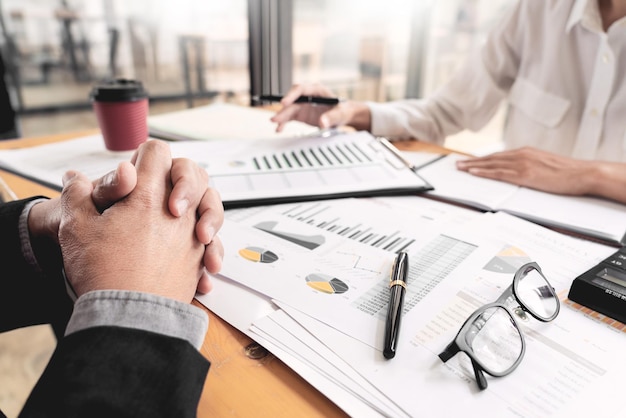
x: 223, y: 121
x: 332, y: 258
x: 590, y: 216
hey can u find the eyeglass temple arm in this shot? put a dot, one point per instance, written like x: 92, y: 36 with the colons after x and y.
x: 451, y: 350
x: 480, y: 376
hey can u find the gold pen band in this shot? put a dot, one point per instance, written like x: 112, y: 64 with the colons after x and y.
x: 397, y: 283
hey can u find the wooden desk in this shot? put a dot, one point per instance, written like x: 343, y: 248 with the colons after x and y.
x: 237, y: 385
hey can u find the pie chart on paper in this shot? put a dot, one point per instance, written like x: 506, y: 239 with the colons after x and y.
x: 326, y: 284
x: 258, y: 255
x: 508, y: 260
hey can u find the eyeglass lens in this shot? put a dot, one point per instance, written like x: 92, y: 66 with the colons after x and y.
x: 536, y: 294
x: 495, y: 340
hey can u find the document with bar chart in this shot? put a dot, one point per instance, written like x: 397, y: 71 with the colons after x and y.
x: 331, y: 258
x: 248, y: 172
x: 284, y: 170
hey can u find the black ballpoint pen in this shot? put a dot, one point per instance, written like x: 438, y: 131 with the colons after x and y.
x: 397, y: 287
x: 330, y: 101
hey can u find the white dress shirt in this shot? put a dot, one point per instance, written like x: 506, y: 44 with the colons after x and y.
x: 562, y: 75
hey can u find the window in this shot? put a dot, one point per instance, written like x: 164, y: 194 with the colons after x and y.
x: 180, y: 49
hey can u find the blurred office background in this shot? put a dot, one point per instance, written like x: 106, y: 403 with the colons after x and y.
x: 194, y: 52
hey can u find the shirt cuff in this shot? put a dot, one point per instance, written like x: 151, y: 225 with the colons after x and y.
x: 384, y: 120
x: 27, y: 248
x: 142, y: 311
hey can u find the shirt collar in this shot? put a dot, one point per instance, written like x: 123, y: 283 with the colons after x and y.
x: 587, y: 13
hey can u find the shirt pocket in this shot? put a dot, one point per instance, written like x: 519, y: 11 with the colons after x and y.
x: 539, y: 105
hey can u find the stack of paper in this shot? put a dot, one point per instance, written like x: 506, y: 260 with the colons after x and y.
x: 318, y: 272
x: 309, y: 279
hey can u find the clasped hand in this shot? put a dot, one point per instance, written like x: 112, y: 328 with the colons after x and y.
x: 149, y: 226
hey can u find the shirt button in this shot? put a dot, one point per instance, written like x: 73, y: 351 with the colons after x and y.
x: 594, y: 112
x: 605, y: 58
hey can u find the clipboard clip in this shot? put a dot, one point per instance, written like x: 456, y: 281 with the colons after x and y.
x: 391, y: 148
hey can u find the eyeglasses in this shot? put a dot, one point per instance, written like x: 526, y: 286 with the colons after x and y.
x: 491, y: 336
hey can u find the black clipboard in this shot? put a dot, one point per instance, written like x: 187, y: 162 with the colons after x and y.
x: 287, y: 170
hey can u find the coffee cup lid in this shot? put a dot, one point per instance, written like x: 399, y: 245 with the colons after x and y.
x: 119, y: 89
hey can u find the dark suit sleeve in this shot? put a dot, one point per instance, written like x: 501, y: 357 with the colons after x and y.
x: 29, y: 297
x: 119, y: 372
x: 7, y: 121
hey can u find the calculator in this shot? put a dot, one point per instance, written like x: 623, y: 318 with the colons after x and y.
x: 603, y: 287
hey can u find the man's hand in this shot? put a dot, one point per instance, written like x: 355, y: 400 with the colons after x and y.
x: 136, y: 244
x: 44, y: 217
x: 190, y: 184
x: 191, y: 191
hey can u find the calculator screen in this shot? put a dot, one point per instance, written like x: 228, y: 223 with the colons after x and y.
x: 613, y: 276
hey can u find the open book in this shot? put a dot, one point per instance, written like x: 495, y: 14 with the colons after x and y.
x: 589, y: 216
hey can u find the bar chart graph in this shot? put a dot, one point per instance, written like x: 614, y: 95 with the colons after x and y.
x: 322, y: 216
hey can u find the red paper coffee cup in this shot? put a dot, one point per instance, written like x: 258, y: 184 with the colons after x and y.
x: 121, y: 108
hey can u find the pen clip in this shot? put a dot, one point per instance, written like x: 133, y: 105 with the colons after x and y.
x: 392, y: 272
x: 398, y: 275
